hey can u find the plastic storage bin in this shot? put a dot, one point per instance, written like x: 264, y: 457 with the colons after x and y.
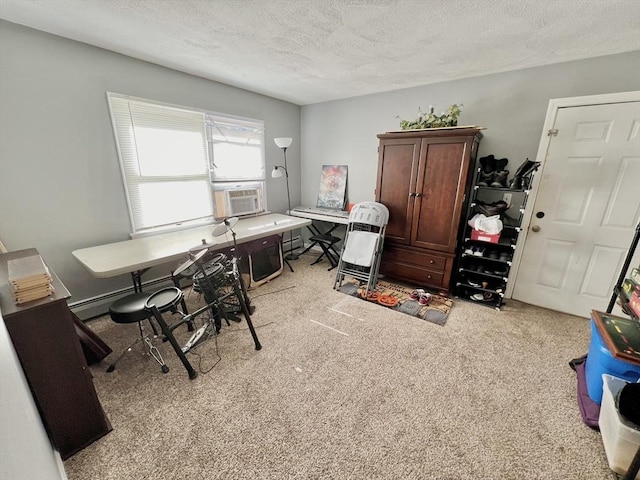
x: 620, y: 441
x: 599, y: 361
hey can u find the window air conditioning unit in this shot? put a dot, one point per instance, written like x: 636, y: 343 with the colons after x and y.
x: 243, y: 202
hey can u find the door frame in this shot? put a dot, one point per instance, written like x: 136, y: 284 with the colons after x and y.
x: 552, y: 111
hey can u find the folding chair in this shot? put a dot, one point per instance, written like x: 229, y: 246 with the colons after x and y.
x: 362, y: 250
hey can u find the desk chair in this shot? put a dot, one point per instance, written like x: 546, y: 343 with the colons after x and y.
x: 362, y: 251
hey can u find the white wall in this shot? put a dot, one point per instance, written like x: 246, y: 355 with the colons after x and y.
x: 512, y: 107
x: 60, y: 182
x: 25, y: 449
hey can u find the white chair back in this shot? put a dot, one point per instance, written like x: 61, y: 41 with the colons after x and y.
x: 370, y: 213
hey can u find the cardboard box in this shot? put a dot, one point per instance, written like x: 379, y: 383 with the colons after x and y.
x: 484, y: 236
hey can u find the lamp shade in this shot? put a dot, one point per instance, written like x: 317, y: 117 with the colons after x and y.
x: 284, y: 142
x: 276, y: 172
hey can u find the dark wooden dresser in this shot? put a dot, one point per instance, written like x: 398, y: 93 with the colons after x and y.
x: 424, y: 177
x: 49, y: 349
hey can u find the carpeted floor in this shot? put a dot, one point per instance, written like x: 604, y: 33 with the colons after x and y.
x: 347, y: 389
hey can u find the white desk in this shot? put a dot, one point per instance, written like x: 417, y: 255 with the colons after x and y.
x: 137, y: 255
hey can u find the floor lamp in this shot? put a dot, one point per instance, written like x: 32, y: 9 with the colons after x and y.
x: 284, y: 143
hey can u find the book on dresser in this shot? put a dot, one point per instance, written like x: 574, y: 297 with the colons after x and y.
x: 29, y: 279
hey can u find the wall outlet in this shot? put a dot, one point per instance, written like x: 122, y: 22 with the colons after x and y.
x: 507, y: 198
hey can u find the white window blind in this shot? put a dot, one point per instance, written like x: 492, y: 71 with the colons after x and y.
x: 164, y: 161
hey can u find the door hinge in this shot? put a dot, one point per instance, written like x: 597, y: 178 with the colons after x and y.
x: 552, y: 132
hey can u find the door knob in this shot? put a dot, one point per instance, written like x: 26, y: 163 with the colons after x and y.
x: 535, y: 228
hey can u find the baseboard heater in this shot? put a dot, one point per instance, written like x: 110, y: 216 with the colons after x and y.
x: 99, y: 305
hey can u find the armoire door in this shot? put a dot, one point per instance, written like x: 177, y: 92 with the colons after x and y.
x: 442, y: 177
x: 396, y: 187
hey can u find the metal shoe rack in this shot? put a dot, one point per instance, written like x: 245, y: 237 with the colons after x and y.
x: 482, y: 266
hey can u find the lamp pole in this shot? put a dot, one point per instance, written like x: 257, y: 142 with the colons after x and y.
x: 283, y: 144
x: 290, y: 255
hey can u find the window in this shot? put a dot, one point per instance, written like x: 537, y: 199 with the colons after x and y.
x: 176, y: 161
x: 237, y: 165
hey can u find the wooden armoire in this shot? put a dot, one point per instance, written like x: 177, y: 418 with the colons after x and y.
x: 424, y: 177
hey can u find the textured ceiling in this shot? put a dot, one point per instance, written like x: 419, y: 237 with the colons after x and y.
x: 309, y: 51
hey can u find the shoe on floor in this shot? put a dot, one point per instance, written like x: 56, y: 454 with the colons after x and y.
x: 425, y: 298
x: 416, y: 294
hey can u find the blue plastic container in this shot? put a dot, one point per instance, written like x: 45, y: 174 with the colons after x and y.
x: 599, y: 361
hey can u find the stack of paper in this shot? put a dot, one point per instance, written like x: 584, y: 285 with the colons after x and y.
x: 29, y: 279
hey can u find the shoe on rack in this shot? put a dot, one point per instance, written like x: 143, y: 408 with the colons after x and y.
x: 476, y: 268
x: 472, y: 283
x: 491, y: 209
x: 479, y: 251
x: 482, y: 297
x: 525, y: 170
x: 500, y: 271
x: 527, y: 177
x: 493, y: 254
x: 500, y: 163
x: 488, y: 163
x: 485, y: 179
x: 504, y: 257
x: 500, y: 179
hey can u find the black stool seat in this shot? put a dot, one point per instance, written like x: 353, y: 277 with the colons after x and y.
x: 130, y: 309
x: 324, y: 238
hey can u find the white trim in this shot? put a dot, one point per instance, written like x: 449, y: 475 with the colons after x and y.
x: 555, y: 104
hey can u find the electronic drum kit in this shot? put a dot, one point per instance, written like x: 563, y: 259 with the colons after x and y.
x: 218, y: 279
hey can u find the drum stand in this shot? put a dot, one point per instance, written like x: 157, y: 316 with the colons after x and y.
x: 215, y: 302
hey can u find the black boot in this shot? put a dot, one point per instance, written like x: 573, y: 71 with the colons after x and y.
x: 527, y: 176
x: 500, y: 163
x: 516, y: 182
x: 485, y: 179
x: 500, y: 179
x: 491, y: 209
x: 488, y: 164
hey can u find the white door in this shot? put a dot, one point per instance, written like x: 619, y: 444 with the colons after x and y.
x: 586, y: 209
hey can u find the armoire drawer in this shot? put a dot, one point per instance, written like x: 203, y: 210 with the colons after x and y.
x: 430, y: 261
x: 412, y: 273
